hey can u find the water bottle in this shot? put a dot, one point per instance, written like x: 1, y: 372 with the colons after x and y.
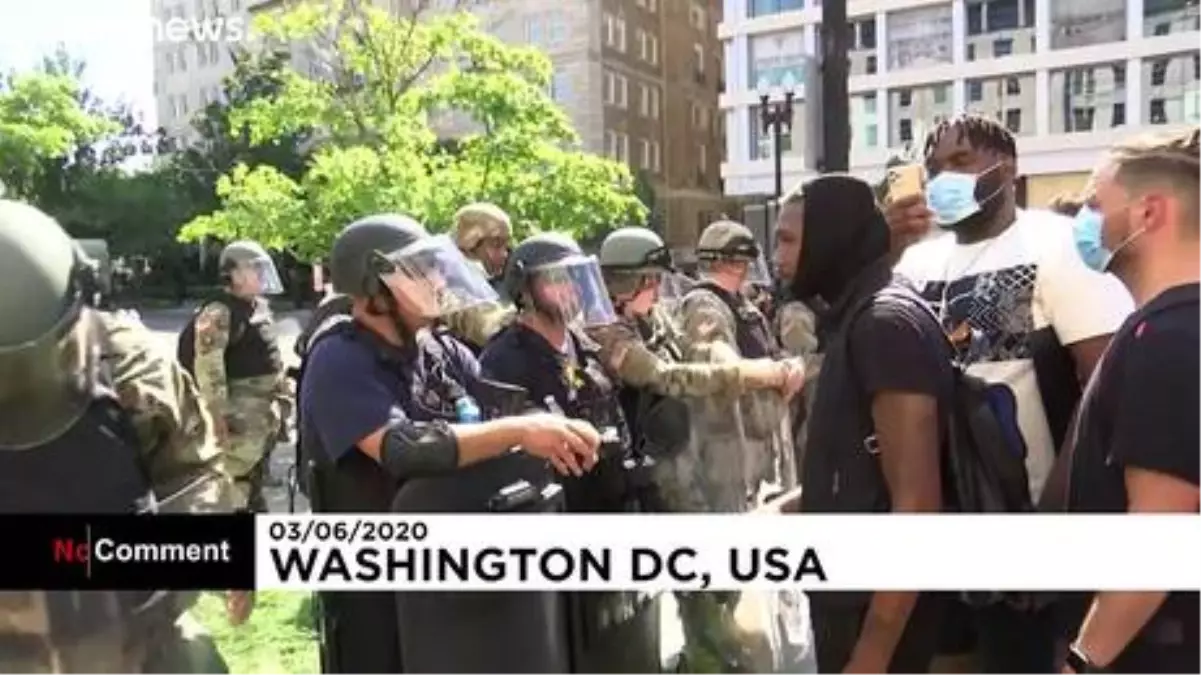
x: 467, y: 410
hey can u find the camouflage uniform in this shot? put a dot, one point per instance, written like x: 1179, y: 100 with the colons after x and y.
x: 477, y: 223
x: 743, y: 447
x: 253, y: 408
x: 797, y: 327
x: 478, y: 323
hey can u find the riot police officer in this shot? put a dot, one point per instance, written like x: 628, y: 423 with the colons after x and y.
x: 559, y: 293
x: 230, y: 346
x: 384, y: 401
x: 93, y: 419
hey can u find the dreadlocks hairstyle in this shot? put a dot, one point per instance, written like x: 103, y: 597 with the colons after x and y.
x: 981, y: 132
x: 1162, y: 160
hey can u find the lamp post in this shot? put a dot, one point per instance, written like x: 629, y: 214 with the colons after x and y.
x: 776, y: 117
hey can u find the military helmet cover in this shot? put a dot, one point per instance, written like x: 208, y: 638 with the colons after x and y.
x: 726, y: 239
x: 634, y: 249
x: 475, y: 223
x: 251, y: 255
x: 353, y: 258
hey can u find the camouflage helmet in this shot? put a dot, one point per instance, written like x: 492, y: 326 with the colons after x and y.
x: 352, y: 263
x: 475, y: 223
x: 635, y: 250
x: 727, y: 240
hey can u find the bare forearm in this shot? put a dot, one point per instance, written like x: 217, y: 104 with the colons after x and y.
x: 486, y: 440
x: 1113, y: 620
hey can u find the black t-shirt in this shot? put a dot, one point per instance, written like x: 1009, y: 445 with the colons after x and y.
x: 1140, y: 410
x: 894, y: 344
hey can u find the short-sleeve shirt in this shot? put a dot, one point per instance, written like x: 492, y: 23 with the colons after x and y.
x: 354, y: 384
x: 1140, y: 410
x: 1021, y: 296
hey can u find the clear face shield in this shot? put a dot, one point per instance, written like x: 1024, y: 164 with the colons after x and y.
x: 758, y: 274
x: 572, y: 291
x: 258, y: 277
x: 435, y: 278
x: 46, y: 384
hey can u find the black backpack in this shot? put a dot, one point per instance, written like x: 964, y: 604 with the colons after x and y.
x: 984, y: 458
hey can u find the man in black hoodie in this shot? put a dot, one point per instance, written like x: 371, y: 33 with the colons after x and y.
x: 875, y: 439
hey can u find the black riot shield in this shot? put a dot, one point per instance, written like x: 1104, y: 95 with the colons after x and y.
x: 484, y: 631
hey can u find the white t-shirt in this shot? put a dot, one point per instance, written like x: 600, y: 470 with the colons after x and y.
x: 1013, y: 291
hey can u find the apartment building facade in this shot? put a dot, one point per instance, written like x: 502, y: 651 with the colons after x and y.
x: 639, y: 79
x: 1067, y: 77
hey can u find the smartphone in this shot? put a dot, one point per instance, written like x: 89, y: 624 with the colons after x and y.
x: 906, y: 181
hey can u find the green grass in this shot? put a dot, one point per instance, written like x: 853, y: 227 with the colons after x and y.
x: 279, y: 637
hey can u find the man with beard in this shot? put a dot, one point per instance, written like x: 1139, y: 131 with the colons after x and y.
x: 1022, y: 311
x: 875, y: 439
x: 1134, y: 448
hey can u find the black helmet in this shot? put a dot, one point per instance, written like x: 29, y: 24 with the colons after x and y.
x: 555, y: 260
x: 353, y: 258
x: 537, y: 251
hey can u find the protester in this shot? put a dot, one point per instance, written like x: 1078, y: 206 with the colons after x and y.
x: 1022, y: 310
x: 1135, y: 444
x: 874, y: 435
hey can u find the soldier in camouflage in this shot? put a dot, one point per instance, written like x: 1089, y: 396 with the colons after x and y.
x: 745, y: 443
x: 483, y: 232
x: 95, y: 420
x: 231, y: 348
x: 644, y: 350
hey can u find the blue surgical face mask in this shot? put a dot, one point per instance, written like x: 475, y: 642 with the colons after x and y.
x: 951, y: 195
x: 1088, y: 231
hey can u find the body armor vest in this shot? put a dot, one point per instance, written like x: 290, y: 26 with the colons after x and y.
x: 253, y: 348
x: 752, y: 331
x: 93, y: 468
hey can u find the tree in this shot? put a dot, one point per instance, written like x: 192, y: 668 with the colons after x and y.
x: 383, y: 86
x: 42, y: 121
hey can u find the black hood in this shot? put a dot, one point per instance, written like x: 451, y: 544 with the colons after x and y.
x: 843, y: 234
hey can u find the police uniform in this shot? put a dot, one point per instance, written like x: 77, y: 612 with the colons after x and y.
x: 612, y: 632
x: 232, y: 349
x: 353, y: 383
x: 130, y: 435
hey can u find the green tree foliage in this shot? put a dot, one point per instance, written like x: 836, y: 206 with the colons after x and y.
x: 42, y: 121
x: 382, y: 87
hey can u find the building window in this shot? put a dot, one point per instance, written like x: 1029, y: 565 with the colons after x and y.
x: 1119, y: 75
x: 869, y: 104
x: 556, y: 28
x: 648, y: 46
x: 777, y: 59
x: 871, y: 64
x: 1119, y: 114
x: 905, y: 131
x: 702, y: 159
x: 1013, y: 121
x: 560, y: 87
x: 616, y: 89
x: 1013, y: 86
x: 698, y: 52
x: 919, y: 38
x: 617, y: 145
x: 1080, y: 23
x: 654, y: 103
x: 1164, y: 17
x: 940, y: 93
x: 865, y: 34
x: 1002, y: 47
x: 650, y: 155
x: 1083, y: 98
x: 871, y: 136
x: 615, y: 32
x: 1159, y: 114
x: 767, y: 7
x: 921, y: 106
x: 697, y: 17
x: 763, y: 140
x: 1159, y: 73
x: 905, y: 98
x: 533, y: 30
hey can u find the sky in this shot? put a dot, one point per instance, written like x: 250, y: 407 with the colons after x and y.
x: 114, y: 37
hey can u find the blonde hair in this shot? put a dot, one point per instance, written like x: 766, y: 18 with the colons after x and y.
x: 1171, y: 160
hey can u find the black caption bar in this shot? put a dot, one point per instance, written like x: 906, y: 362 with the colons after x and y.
x: 167, y: 552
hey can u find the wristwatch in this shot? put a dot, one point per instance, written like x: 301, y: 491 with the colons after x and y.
x: 1079, y: 662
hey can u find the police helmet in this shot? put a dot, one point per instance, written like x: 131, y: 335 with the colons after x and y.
x: 252, y: 256
x: 45, y: 360
x: 556, y: 260
x: 353, y: 259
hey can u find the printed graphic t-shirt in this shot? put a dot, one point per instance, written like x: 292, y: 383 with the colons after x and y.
x: 1010, y: 301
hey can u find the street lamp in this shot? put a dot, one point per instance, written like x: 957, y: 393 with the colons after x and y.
x: 776, y: 117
